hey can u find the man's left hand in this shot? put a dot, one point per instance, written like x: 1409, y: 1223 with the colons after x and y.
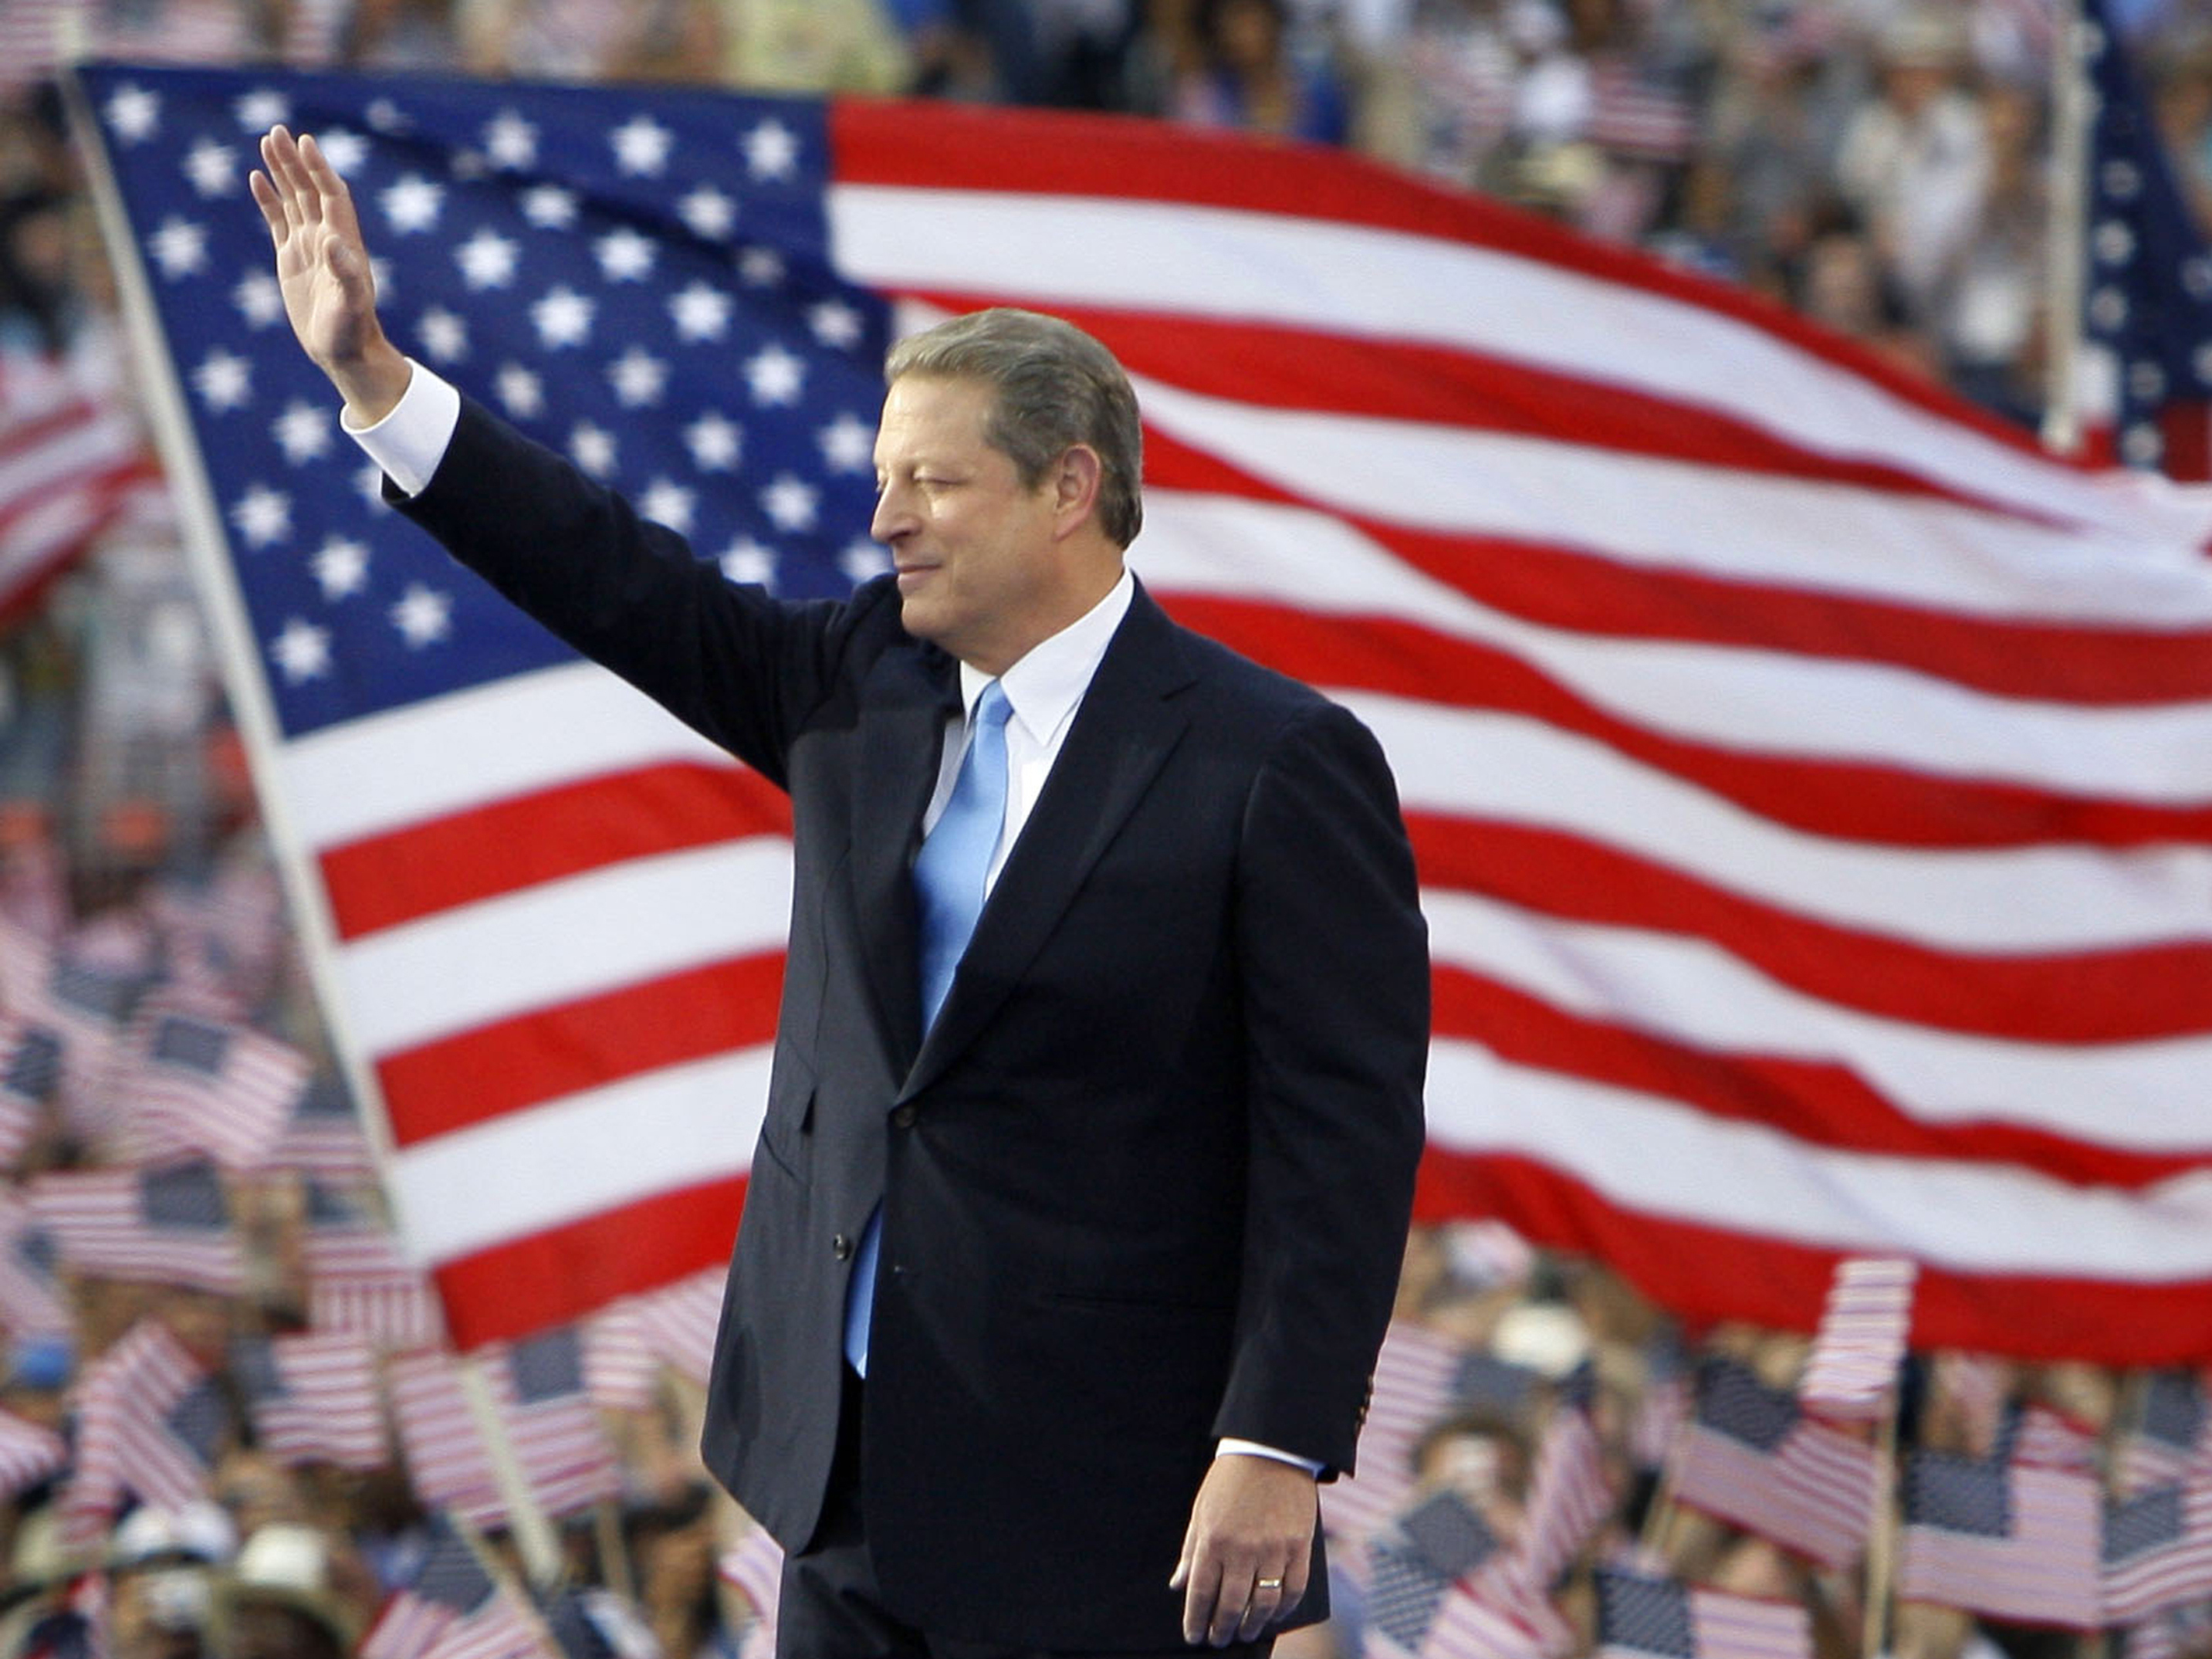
x: 1249, y: 1545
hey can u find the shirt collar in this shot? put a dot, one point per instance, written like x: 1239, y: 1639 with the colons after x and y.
x: 1053, y: 675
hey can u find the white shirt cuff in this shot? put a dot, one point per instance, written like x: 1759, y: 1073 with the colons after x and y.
x: 1253, y: 1449
x: 412, y: 439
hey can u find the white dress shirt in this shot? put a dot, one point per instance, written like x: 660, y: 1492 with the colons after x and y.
x: 1044, y: 688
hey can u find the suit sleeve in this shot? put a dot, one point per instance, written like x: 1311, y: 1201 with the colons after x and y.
x: 1332, y: 957
x: 738, y: 665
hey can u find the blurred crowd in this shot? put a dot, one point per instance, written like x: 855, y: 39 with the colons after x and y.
x: 1878, y: 164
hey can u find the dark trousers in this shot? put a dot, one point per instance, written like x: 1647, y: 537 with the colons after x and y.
x: 831, y: 1608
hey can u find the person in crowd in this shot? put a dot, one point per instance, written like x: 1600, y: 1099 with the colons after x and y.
x: 1245, y: 75
x: 1914, y: 163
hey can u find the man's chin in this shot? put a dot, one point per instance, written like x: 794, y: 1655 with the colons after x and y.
x: 916, y: 615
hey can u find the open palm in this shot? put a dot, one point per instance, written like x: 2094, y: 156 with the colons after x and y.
x: 322, y: 264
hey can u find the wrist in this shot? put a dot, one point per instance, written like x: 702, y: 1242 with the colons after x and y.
x: 372, y: 383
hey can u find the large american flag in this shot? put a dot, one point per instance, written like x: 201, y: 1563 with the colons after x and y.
x: 1809, y: 779
x: 2147, y: 311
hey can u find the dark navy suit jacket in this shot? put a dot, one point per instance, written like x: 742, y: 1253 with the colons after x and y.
x: 1147, y: 1182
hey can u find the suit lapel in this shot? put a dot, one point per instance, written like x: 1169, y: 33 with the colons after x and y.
x: 908, y: 697
x: 1125, y: 729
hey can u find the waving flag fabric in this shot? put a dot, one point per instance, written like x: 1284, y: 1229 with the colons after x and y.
x: 1810, y: 781
x: 2157, y: 1549
x: 2014, y: 1540
x: 455, y: 1609
x: 2148, y: 309
x: 313, y: 1398
x: 1439, y: 1587
x: 150, y: 1421
x: 170, y: 1224
x: 1640, y: 1617
x: 29, y: 1453
x: 1750, y: 1457
x: 1569, y: 1492
x: 1860, y: 1343
x: 71, y: 456
x: 2171, y: 1435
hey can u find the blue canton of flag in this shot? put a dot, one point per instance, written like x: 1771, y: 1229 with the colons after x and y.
x: 2157, y: 1549
x: 2174, y: 1411
x: 33, y: 1064
x: 581, y: 258
x: 2149, y: 277
x: 2169, y: 1435
x: 2011, y: 1539
x: 453, y: 1606
x: 548, y: 1367
x: 1751, y: 1456
x: 1499, y: 1384
x: 1643, y: 1615
x: 1639, y: 1616
x: 1957, y: 1494
x: 201, y: 1421
x: 1432, y: 1546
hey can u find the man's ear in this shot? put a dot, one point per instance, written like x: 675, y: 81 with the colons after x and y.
x: 1075, y: 481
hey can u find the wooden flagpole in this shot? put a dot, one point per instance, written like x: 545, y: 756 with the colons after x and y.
x: 2064, y: 244
x: 1882, y: 1538
x: 533, y: 1532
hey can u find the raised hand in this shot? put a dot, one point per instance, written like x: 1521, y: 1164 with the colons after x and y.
x: 322, y: 269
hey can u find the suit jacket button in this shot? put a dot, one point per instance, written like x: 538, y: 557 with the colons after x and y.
x: 841, y: 1247
x: 904, y: 1117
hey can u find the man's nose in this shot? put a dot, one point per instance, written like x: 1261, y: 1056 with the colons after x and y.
x: 892, y: 517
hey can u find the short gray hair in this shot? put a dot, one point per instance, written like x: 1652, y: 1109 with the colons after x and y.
x: 1056, y: 387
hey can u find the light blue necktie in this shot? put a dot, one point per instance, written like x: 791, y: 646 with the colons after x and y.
x: 949, y: 875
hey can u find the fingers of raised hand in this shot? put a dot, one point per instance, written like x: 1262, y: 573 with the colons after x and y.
x: 295, y: 183
x: 271, y: 204
x: 330, y: 193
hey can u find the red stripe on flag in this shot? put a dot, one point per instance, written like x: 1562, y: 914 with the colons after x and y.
x: 1585, y: 592
x: 2090, y: 996
x: 482, y: 1074
x: 542, y: 836
x: 1888, y: 806
x: 1773, y: 1282
x: 1815, y: 1103
x: 1290, y: 368
x: 948, y: 147
x: 519, y: 1288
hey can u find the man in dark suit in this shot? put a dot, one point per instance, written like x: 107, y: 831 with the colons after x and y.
x: 1076, y: 1215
